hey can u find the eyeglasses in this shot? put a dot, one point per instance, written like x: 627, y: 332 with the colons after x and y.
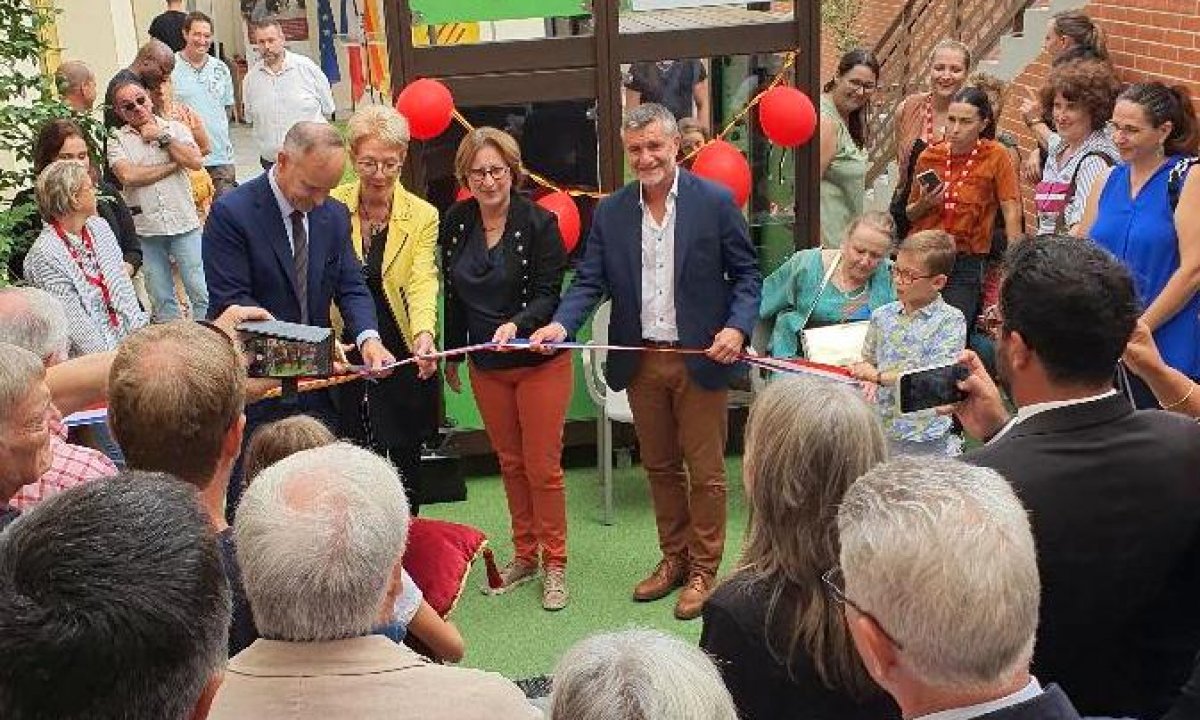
x: 861, y: 85
x: 1127, y: 130
x: 370, y: 167
x: 140, y: 101
x: 496, y: 173
x: 834, y: 584
x: 904, y: 276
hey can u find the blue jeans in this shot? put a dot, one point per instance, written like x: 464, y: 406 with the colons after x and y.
x: 157, y: 251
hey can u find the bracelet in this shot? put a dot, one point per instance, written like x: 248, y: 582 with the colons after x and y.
x: 1181, y: 400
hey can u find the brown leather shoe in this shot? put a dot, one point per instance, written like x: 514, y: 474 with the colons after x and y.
x: 670, y: 574
x: 691, y: 599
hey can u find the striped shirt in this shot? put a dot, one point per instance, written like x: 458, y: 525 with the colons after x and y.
x: 1053, y: 197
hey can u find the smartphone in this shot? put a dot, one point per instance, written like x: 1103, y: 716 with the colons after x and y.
x: 930, y: 387
x: 929, y: 180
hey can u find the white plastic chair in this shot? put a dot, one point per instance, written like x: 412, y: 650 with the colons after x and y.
x: 611, y: 405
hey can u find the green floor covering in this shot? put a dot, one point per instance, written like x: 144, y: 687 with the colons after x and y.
x: 511, y: 634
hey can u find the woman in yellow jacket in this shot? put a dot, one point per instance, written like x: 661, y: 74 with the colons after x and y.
x: 395, y: 237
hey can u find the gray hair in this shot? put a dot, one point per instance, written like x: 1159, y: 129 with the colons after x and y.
x: 941, y: 554
x: 318, y: 536
x: 34, y: 319
x: 57, y: 187
x: 646, y: 113
x: 638, y: 674
x: 309, y: 135
x: 20, y: 371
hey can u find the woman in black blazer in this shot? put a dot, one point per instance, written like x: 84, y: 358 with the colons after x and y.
x: 502, y: 266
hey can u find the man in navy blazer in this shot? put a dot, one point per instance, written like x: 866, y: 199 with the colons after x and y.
x: 673, y: 253
x: 1113, y: 493
x: 275, y: 243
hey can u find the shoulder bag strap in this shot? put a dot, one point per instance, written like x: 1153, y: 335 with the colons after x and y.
x: 821, y: 289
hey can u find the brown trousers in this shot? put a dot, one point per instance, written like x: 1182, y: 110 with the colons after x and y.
x: 524, y: 410
x: 679, y: 423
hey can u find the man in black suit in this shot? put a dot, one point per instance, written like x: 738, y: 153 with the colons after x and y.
x: 938, y: 579
x: 1113, y: 494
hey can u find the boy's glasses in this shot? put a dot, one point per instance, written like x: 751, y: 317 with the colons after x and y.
x: 904, y: 276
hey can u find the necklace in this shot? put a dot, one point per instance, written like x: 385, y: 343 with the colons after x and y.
x: 954, y: 185
x: 95, y: 279
x: 927, y: 136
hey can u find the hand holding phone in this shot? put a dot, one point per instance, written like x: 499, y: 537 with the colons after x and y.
x: 930, y: 387
x: 929, y: 181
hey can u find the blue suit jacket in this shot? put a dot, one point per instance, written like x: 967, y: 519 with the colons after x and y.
x: 248, y: 261
x: 717, y: 279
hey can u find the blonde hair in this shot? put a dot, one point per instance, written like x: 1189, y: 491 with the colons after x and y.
x: 480, y: 138
x: 806, y: 441
x: 381, y: 122
x: 276, y: 440
x: 952, y: 44
x: 935, y: 248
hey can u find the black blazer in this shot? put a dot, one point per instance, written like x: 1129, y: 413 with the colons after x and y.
x: 535, y: 262
x: 1114, y: 500
x: 735, y: 635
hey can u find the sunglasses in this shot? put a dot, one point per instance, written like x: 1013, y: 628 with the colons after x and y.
x: 140, y: 101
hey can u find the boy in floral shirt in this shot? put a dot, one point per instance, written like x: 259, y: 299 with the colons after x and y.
x: 918, y: 330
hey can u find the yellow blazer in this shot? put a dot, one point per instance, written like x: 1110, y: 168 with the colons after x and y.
x: 410, y: 275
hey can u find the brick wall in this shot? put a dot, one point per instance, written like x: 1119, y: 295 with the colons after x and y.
x: 1148, y: 40
x: 873, y: 20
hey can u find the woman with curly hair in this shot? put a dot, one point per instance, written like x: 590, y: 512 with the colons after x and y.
x: 1080, y: 95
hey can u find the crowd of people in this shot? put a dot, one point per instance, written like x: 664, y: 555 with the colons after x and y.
x: 220, y: 553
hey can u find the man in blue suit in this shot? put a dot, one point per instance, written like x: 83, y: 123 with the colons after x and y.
x: 673, y: 253
x: 275, y: 243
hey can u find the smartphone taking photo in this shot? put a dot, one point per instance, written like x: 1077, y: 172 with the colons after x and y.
x: 930, y: 387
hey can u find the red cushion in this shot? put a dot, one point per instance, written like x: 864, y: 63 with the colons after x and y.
x: 439, y: 557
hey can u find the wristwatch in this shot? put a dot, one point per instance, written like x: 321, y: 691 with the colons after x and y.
x: 164, y: 139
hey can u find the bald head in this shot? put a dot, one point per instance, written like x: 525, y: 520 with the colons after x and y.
x: 76, y: 84
x: 153, y: 63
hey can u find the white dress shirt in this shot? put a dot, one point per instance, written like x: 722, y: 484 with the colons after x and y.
x: 1029, y: 411
x: 166, y: 207
x: 658, y: 269
x: 274, y: 102
x: 1029, y: 692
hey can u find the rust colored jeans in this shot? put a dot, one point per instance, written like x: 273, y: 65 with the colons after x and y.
x: 523, y: 411
x: 678, y: 424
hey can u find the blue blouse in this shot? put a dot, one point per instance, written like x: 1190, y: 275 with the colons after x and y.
x: 1140, y: 231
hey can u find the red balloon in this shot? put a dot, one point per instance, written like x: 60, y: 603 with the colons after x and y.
x: 428, y: 107
x: 724, y: 163
x: 787, y: 116
x: 563, y: 206
x: 462, y: 194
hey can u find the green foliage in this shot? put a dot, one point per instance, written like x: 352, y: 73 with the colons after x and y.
x: 27, y: 100
x: 838, y: 17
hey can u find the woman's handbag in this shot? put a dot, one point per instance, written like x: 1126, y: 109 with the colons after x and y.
x: 832, y: 344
